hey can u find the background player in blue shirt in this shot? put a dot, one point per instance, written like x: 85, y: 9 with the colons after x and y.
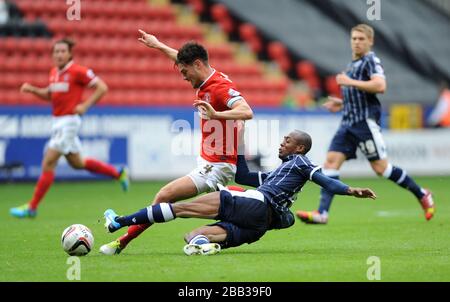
x: 244, y: 217
x: 360, y: 126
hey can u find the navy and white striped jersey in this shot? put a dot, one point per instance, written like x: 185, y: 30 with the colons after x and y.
x: 360, y: 105
x: 280, y: 187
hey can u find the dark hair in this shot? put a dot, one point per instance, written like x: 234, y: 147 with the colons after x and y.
x: 70, y: 43
x: 304, y: 139
x: 190, y: 52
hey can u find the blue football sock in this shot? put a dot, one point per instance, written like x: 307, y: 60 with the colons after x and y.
x: 401, y: 178
x: 157, y: 213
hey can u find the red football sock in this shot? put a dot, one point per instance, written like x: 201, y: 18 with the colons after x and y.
x: 96, y: 166
x: 236, y: 188
x: 132, y: 232
x: 42, y: 186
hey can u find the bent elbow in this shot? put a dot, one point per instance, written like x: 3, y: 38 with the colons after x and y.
x: 382, y: 87
x: 249, y: 114
x: 105, y: 88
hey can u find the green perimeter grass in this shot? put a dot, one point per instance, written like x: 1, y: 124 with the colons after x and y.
x: 392, y: 228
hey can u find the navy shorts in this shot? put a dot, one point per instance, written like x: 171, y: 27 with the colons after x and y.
x: 244, y: 215
x: 365, y: 135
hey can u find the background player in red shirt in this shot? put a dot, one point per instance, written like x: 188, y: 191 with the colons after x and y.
x: 220, y: 107
x: 66, y: 85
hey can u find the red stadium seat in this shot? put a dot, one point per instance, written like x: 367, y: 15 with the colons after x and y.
x: 276, y: 50
x: 279, y: 53
x: 106, y: 41
x: 249, y: 34
x: 219, y: 13
x: 313, y: 82
x: 332, y: 87
x: 197, y: 5
x: 305, y: 69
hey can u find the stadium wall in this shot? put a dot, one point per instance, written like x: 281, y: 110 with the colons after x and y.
x: 163, y: 143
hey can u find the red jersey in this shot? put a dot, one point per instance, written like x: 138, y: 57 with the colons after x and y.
x: 219, y: 137
x: 67, y: 85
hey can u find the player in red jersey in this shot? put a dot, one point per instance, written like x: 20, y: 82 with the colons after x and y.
x: 220, y: 107
x: 67, y: 82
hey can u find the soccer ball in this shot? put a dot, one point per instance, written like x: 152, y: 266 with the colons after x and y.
x: 77, y: 240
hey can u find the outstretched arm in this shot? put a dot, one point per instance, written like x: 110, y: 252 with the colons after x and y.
x: 152, y: 42
x: 42, y: 93
x: 244, y: 176
x: 337, y: 187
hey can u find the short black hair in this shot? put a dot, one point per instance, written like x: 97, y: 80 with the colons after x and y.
x: 69, y: 42
x: 190, y: 52
x: 303, y: 138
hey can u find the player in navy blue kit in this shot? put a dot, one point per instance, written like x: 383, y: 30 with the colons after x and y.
x: 244, y: 217
x: 360, y: 126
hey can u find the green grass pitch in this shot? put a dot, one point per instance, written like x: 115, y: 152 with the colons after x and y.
x: 392, y: 228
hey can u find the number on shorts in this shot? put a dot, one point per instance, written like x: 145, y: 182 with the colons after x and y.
x: 368, y: 147
x: 57, y: 134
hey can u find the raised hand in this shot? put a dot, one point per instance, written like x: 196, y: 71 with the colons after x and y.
x: 149, y: 40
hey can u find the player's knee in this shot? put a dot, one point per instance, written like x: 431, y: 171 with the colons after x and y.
x: 379, y: 168
x: 77, y: 165
x: 164, y: 195
x: 334, y: 160
x: 330, y: 164
x: 48, y: 165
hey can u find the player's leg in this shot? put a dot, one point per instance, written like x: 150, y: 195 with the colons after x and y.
x: 204, y: 240
x: 211, y: 239
x: 95, y: 166
x: 202, y: 179
x: 244, y: 218
x: 178, y: 189
x: 213, y: 233
x: 206, y: 206
x: 374, y: 148
x: 396, y: 174
x: 44, y: 182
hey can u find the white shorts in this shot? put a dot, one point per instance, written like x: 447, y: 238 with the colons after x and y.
x: 65, y: 134
x: 207, y: 175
